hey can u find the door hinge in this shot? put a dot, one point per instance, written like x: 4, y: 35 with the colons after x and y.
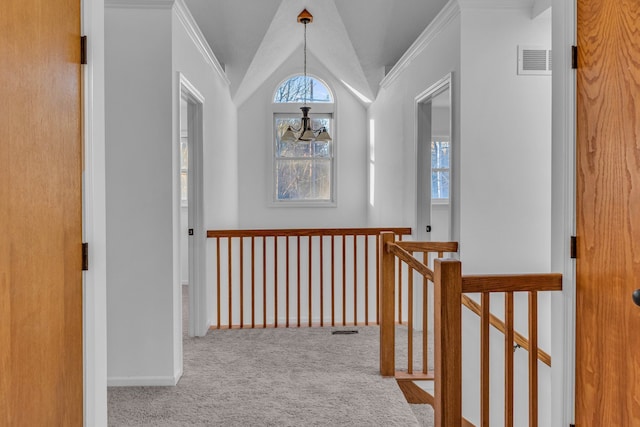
x: 574, y: 247
x: 83, y: 50
x: 574, y: 57
x: 428, y: 229
x: 191, y: 232
x: 85, y: 256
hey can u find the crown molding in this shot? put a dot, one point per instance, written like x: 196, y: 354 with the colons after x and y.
x: 139, y: 4
x: 188, y: 22
x: 448, y: 13
x: 186, y: 19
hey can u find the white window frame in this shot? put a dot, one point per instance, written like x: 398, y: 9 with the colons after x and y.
x: 293, y: 109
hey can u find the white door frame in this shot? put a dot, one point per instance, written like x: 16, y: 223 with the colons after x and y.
x: 423, y: 156
x: 94, y: 302
x: 563, y: 212
x: 197, y: 289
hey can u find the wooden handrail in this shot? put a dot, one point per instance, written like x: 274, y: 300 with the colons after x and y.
x: 499, y: 325
x: 405, y: 256
x: 428, y: 246
x: 512, y: 283
x: 305, y: 232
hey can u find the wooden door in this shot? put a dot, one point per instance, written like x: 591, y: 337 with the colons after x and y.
x: 608, y: 213
x: 41, y: 373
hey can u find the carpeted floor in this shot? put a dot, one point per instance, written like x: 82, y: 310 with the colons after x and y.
x: 273, y: 377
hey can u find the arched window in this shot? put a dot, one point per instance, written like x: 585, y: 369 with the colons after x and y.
x: 296, y: 89
x: 303, y: 171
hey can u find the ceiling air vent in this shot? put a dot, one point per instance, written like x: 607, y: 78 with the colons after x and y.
x: 534, y: 60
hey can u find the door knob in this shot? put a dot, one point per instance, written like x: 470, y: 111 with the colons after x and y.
x: 636, y: 296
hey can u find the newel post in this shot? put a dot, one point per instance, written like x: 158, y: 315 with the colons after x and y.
x: 448, y: 342
x: 387, y: 306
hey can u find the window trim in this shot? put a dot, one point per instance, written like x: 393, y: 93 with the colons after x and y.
x: 286, y: 109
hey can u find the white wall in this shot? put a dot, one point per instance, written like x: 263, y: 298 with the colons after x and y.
x: 255, y: 140
x: 505, y: 215
x: 145, y: 48
x: 506, y: 145
x: 392, y: 139
x: 139, y: 196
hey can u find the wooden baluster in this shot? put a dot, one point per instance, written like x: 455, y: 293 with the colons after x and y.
x: 344, y: 280
x: 218, y: 281
x: 275, y: 281
x: 333, y: 281
x: 377, y: 281
x: 508, y: 360
x: 400, y: 287
x: 448, y: 343
x: 355, y: 279
x: 425, y: 318
x: 387, y: 306
x: 298, y: 273
x: 253, y: 282
x: 533, y: 359
x: 241, y: 282
x: 310, y: 281
x: 264, y: 281
x: 410, y: 322
x: 229, y: 276
x: 366, y: 280
x: 484, y: 359
x: 287, y: 280
x: 321, y: 281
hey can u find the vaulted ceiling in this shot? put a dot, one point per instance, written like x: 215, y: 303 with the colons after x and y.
x: 356, y: 39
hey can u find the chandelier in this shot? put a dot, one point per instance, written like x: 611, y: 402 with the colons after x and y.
x: 305, y: 133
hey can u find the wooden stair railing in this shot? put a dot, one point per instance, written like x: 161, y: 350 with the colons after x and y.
x: 509, y: 284
x: 518, y: 338
x: 404, y: 251
x: 289, y: 277
x: 450, y: 288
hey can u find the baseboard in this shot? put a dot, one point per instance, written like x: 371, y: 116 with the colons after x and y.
x: 178, y: 374
x: 142, y: 381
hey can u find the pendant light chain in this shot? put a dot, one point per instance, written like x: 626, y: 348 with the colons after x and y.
x: 305, y: 63
x: 306, y: 131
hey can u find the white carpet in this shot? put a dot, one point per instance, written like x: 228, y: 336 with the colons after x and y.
x: 273, y: 377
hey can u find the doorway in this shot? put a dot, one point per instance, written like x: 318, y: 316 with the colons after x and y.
x: 192, y: 232
x: 433, y: 176
x: 433, y: 147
